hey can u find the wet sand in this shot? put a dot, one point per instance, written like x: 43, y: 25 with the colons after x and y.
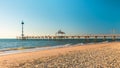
x: 100, y: 55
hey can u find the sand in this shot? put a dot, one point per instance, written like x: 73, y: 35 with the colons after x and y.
x: 100, y: 55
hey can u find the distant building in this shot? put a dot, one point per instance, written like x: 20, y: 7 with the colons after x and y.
x: 60, y: 34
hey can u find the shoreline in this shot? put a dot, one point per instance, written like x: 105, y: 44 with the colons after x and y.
x: 19, y: 58
x: 33, y: 49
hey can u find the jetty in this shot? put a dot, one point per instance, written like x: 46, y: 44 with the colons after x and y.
x: 104, y: 37
x: 62, y: 35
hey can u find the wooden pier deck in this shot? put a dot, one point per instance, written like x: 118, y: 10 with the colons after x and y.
x: 100, y: 36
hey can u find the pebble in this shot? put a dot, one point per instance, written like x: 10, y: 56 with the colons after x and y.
x: 91, y: 58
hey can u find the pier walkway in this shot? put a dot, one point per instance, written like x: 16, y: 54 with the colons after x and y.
x: 99, y: 36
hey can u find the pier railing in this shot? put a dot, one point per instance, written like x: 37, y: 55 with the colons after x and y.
x: 102, y: 36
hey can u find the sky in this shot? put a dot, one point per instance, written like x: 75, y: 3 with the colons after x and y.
x: 46, y: 17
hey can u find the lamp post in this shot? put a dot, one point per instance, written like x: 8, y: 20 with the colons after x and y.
x: 22, y: 29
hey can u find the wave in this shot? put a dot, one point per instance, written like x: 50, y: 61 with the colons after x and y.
x: 28, y: 49
x: 31, y: 49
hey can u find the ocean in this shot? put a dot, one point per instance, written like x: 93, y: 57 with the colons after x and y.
x: 13, y: 45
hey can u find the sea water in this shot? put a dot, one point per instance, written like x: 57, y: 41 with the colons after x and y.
x: 14, y: 45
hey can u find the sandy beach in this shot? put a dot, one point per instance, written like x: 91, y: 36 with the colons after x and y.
x: 100, y: 55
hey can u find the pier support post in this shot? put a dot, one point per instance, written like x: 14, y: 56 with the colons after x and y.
x: 78, y: 37
x: 104, y: 37
x: 96, y: 38
x: 113, y: 37
x: 87, y: 38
